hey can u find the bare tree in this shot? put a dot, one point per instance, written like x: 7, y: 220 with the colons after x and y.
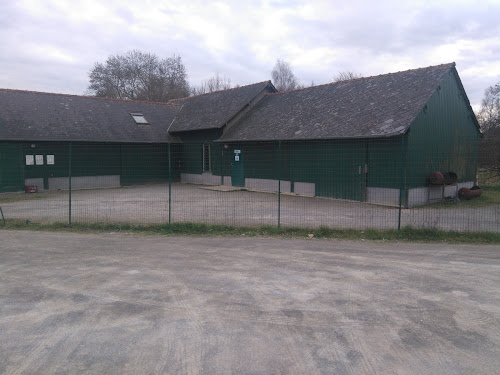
x: 283, y: 77
x: 489, y: 153
x: 215, y: 83
x: 489, y: 115
x: 139, y: 76
x: 345, y: 76
x: 489, y: 145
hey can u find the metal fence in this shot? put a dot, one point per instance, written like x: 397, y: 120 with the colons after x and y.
x: 384, y: 183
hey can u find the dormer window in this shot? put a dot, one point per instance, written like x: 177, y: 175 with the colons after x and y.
x: 139, y: 119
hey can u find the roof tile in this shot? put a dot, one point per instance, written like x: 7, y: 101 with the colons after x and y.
x: 35, y: 116
x: 214, y: 110
x: 382, y: 105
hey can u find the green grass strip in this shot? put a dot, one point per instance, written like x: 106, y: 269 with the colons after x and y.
x: 193, y: 229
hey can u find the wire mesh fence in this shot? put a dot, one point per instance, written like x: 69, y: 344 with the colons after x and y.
x: 383, y: 183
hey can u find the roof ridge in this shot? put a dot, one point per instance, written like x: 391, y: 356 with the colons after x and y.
x: 215, y: 92
x: 89, y: 97
x: 452, y: 64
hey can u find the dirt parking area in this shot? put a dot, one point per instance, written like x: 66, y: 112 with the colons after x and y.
x: 202, y: 204
x: 122, y: 304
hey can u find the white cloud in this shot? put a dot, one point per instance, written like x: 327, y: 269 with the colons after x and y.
x: 51, y: 45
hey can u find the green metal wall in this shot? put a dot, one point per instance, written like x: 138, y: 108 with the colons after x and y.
x: 95, y: 159
x: 384, y: 162
x: 191, y: 158
x: 335, y: 167
x: 143, y: 163
x: 60, y: 166
x: 340, y: 170
x: 11, y: 167
x: 443, y: 137
x: 135, y: 163
x: 87, y: 159
x: 190, y: 155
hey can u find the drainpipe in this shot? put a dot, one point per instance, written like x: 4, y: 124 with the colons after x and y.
x: 401, y: 177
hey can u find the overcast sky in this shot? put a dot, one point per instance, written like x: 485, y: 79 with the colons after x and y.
x: 50, y: 45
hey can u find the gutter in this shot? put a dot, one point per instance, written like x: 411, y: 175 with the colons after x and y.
x: 384, y: 136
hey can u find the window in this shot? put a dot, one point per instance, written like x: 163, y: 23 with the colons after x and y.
x: 139, y: 119
x: 207, y: 161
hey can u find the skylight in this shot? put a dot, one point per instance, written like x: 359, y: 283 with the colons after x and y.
x: 139, y: 119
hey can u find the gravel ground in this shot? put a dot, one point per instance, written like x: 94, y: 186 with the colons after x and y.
x: 149, y: 204
x: 122, y: 304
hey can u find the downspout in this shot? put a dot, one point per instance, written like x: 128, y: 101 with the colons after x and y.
x: 402, y: 177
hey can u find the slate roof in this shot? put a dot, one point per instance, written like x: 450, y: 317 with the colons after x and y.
x: 37, y: 116
x: 214, y: 110
x: 377, y: 106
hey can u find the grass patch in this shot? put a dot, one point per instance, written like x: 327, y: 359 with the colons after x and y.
x: 21, y: 196
x: 193, y: 229
x: 487, y: 178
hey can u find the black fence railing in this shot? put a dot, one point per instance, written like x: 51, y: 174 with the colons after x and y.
x: 378, y: 183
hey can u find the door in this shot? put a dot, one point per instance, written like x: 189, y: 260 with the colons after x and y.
x: 342, y: 171
x: 237, y: 171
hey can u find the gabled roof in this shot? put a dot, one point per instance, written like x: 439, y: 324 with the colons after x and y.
x: 214, y: 110
x: 38, y: 116
x: 377, y: 106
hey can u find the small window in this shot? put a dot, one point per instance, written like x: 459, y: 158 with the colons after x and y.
x: 139, y: 119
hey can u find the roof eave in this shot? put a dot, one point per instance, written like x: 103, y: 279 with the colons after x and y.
x: 381, y: 136
x: 88, y: 140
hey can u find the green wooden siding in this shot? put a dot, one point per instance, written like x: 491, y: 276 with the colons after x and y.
x: 443, y: 137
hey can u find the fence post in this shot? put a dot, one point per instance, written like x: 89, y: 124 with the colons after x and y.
x: 169, y: 184
x: 401, y: 179
x: 221, y: 164
x: 279, y: 184
x: 69, y: 180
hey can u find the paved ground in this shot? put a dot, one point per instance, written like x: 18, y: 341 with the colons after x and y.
x: 119, y: 304
x: 149, y: 204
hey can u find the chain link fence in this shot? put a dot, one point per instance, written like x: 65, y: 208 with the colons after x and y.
x: 383, y: 183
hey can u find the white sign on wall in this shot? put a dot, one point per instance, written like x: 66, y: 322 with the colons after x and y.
x: 30, y: 160
x: 39, y: 159
x: 50, y: 159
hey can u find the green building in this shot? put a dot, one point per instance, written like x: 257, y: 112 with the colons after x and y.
x: 374, y: 139
x: 109, y: 142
